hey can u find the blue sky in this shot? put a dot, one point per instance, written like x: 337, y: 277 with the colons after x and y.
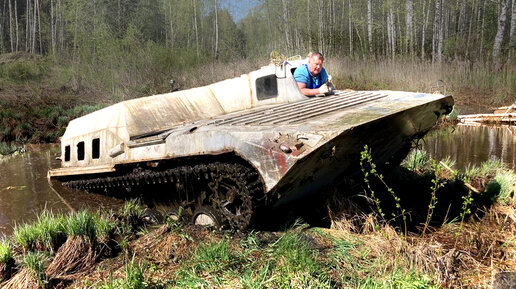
x: 238, y: 8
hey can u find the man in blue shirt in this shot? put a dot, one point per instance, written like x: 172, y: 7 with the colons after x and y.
x: 311, y: 78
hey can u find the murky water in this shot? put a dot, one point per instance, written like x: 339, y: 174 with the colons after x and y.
x: 472, y: 145
x: 25, y: 191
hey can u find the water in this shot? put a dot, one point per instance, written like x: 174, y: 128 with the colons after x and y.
x: 25, y: 191
x: 472, y: 145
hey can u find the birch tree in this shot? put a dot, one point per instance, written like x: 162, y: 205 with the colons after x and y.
x: 436, y: 53
x: 497, y: 46
x: 370, y: 26
x: 216, y: 52
x: 512, y: 33
x: 350, y: 13
x: 409, y: 46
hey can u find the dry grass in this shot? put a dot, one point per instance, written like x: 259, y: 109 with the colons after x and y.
x: 454, y: 256
x: 75, y: 258
x: 469, y: 83
x: 23, y: 279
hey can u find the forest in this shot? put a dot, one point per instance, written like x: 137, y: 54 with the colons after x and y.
x: 202, y: 30
x: 65, y: 58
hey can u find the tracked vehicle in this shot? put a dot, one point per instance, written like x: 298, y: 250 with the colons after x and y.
x: 218, y: 154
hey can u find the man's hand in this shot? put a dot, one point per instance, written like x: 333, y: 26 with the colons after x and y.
x: 324, y: 89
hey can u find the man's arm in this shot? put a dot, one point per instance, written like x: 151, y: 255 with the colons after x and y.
x: 307, y: 91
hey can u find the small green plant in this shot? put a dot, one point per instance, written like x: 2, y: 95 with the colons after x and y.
x: 437, y: 183
x: 467, y: 200
x: 133, y: 209
x: 35, y: 263
x: 367, y: 160
x: 417, y: 160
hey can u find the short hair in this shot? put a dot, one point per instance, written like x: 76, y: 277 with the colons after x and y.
x: 316, y: 54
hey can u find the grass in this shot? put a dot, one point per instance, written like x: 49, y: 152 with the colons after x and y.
x: 35, y: 263
x: 47, y: 233
x: 82, y: 224
x: 6, y: 253
x: 134, y: 278
x: 467, y: 82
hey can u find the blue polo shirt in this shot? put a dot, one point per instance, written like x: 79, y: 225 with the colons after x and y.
x: 303, y: 75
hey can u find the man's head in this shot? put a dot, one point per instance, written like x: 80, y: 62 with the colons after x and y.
x: 315, y: 62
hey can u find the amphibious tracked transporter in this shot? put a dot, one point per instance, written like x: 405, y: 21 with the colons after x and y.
x: 218, y: 154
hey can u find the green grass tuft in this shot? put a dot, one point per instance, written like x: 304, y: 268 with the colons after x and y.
x: 47, y: 233
x: 35, y: 263
x: 82, y: 224
x: 6, y: 253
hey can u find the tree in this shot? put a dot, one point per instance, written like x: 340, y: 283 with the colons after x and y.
x: 500, y: 31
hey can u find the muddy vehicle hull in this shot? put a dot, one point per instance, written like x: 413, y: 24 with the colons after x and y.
x: 229, y: 165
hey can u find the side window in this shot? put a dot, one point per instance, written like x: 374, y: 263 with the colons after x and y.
x: 67, y: 153
x: 80, y: 151
x: 95, y: 148
x: 266, y: 87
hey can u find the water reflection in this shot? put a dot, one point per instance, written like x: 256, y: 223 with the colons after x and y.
x: 471, y: 145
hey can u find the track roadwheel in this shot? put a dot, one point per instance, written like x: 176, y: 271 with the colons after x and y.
x: 177, y: 214
x: 207, y: 217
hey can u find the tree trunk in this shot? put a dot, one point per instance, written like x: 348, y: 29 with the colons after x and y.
x: 409, y: 45
x: 269, y: 27
x: 497, y: 46
x: 370, y: 26
x: 320, y: 23
x: 11, y: 38
x: 16, y: 47
x: 441, y: 32
x: 436, y: 31
x: 196, y: 31
x: 512, y: 33
x: 216, y: 53
x: 308, y: 23
x: 350, y: 29
x: 482, y: 29
x: 285, y: 26
x: 423, y: 29
x: 52, y: 28
x: 393, y: 32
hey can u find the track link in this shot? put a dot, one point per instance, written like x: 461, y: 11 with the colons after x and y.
x: 233, y: 190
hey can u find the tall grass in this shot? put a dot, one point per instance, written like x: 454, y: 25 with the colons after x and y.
x: 468, y: 82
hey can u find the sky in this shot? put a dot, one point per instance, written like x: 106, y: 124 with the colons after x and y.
x: 238, y: 8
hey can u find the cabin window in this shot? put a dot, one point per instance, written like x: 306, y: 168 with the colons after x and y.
x: 266, y: 87
x: 67, y: 153
x: 95, y: 148
x: 80, y: 151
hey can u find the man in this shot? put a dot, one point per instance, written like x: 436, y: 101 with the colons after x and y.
x: 311, y: 78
